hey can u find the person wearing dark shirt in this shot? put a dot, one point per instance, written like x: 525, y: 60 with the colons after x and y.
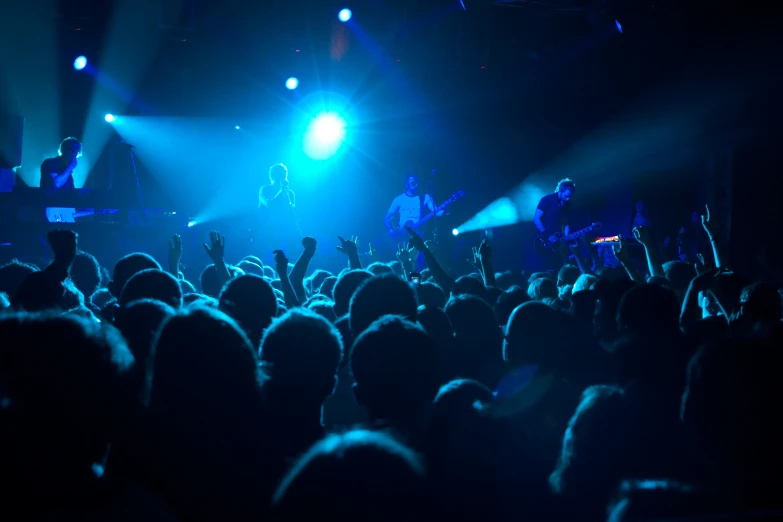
x: 552, y: 213
x: 57, y: 173
x: 277, y: 203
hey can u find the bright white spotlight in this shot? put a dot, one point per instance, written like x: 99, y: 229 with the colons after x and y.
x: 192, y: 223
x: 291, y: 83
x: 345, y: 15
x: 324, y: 135
x: 80, y: 63
x: 455, y: 232
x: 236, y: 127
x: 109, y: 118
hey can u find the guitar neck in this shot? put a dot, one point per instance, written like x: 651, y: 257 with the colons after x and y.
x: 578, y: 233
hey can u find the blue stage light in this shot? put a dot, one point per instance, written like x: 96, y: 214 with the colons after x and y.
x: 291, y: 83
x: 345, y: 15
x: 324, y: 135
x: 109, y: 118
x: 80, y: 63
x: 192, y: 223
x: 619, y: 26
x: 455, y: 232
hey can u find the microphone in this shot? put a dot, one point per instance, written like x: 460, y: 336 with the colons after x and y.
x: 127, y: 144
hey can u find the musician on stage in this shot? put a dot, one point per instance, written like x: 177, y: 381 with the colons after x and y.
x: 553, y: 211
x: 57, y: 173
x: 410, y: 206
x: 277, y: 203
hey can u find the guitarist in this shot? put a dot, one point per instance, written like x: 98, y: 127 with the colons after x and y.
x: 410, y: 206
x: 553, y: 211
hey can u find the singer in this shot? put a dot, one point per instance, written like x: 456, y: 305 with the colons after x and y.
x: 56, y: 173
x: 277, y: 203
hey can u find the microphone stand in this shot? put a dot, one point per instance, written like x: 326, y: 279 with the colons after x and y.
x: 131, y: 148
x: 293, y: 211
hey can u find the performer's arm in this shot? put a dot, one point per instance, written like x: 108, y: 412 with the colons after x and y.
x: 60, y: 178
x: 537, y: 220
x: 393, y: 209
x: 430, y: 204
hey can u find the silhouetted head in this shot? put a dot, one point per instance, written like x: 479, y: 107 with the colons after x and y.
x: 86, y: 273
x: 300, y: 353
x: 379, y: 296
x: 508, y: 301
x: 11, y: 276
x: 394, y: 364
x: 250, y: 300
x: 649, y: 310
x: 139, y: 322
x: 278, y: 173
x: 204, y: 367
x: 126, y: 268
x: 467, y: 285
x: 358, y: 475
x: 431, y: 294
x: 568, y: 275
x: 65, y: 398
x: 542, y: 288
x: 345, y: 287
x: 250, y: 267
x: 152, y: 284
x: 533, y: 332
x: 680, y: 275
x: 478, y: 338
x: 327, y: 286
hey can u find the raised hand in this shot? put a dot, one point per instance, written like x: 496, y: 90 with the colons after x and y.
x: 217, y: 250
x: 349, y: 248
x: 484, y: 251
x: 309, y: 244
x: 475, y: 259
x: 281, y: 261
x: 642, y: 235
x: 64, y: 244
x: 373, y: 253
x: 175, y: 249
x: 709, y: 226
x: 621, y: 250
x: 404, y: 253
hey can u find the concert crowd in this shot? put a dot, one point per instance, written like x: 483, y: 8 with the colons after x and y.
x: 382, y: 392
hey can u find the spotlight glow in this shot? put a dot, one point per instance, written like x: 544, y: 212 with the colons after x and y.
x: 324, y: 135
x: 236, y: 127
x: 192, y: 223
x: 291, y: 83
x: 455, y: 232
x: 619, y: 26
x: 109, y: 118
x: 345, y: 15
x: 80, y: 63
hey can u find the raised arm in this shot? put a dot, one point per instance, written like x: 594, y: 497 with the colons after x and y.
x: 654, y: 264
x: 300, y: 268
x: 216, y: 253
x: 59, y: 175
x: 441, y: 276
x: 350, y: 249
x: 711, y: 230
x: 281, y: 265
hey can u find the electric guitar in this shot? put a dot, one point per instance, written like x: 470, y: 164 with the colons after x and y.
x: 545, y: 247
x: 400, y: 233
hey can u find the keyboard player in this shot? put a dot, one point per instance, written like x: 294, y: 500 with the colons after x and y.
x: 57, y: 173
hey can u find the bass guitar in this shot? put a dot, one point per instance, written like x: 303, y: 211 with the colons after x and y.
x: 400, y: 233
x: 546, y: 247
